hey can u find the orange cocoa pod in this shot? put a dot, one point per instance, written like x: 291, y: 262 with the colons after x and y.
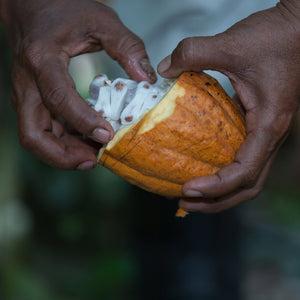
x: 195, y: 130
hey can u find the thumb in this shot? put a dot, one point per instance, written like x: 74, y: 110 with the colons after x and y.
x: 195, y: 54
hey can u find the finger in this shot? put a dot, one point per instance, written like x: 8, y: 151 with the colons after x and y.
x: 57, y: 128
x: 59, y: 95
x: 36, y: 136
x: 243, y: 172
x: 195, y: 54
x: 45, y: 139
x: 260, y: 143
x: 228, y: 201
x: 125, y: 47
x: 73, y: 138
x: 77, y: 142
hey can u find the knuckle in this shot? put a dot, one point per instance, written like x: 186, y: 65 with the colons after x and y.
x: 277, y: 125
x: 56, y: 100
x: 28, y: 140
x: 250, y: 177
x: 88, y: 121
x: 282, y: 124
x: 33, y: 53
x: 130, y: 44
x: 186, y: 51
x: 83, y: 123
x: 128, y: 48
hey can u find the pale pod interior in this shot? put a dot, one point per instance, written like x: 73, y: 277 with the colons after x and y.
x: 122, y: 101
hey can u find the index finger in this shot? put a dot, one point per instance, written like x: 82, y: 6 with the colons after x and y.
x: 58, y: 93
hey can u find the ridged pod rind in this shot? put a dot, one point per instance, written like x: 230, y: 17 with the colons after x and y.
x: 195, y: 130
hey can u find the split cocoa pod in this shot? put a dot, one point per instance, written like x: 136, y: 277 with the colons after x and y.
x: 193, y: 130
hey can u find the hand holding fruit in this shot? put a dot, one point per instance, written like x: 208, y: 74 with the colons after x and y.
x: 261, y: 57
x: 44, y: 35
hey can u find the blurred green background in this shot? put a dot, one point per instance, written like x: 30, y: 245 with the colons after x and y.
x: 90, y: 235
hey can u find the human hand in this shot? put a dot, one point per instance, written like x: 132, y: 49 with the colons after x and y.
x: 261, y: 57
x: 52, y: 117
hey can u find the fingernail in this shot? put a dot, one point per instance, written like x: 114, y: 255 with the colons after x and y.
x: 101, y: 135
x: 164, y: 65
x: 147, y: 68
x: 192, y: 193
x: 87, y: 165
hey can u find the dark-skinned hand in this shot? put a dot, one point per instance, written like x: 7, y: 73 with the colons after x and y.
x: 54, y: 122
x: 261, y: 57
